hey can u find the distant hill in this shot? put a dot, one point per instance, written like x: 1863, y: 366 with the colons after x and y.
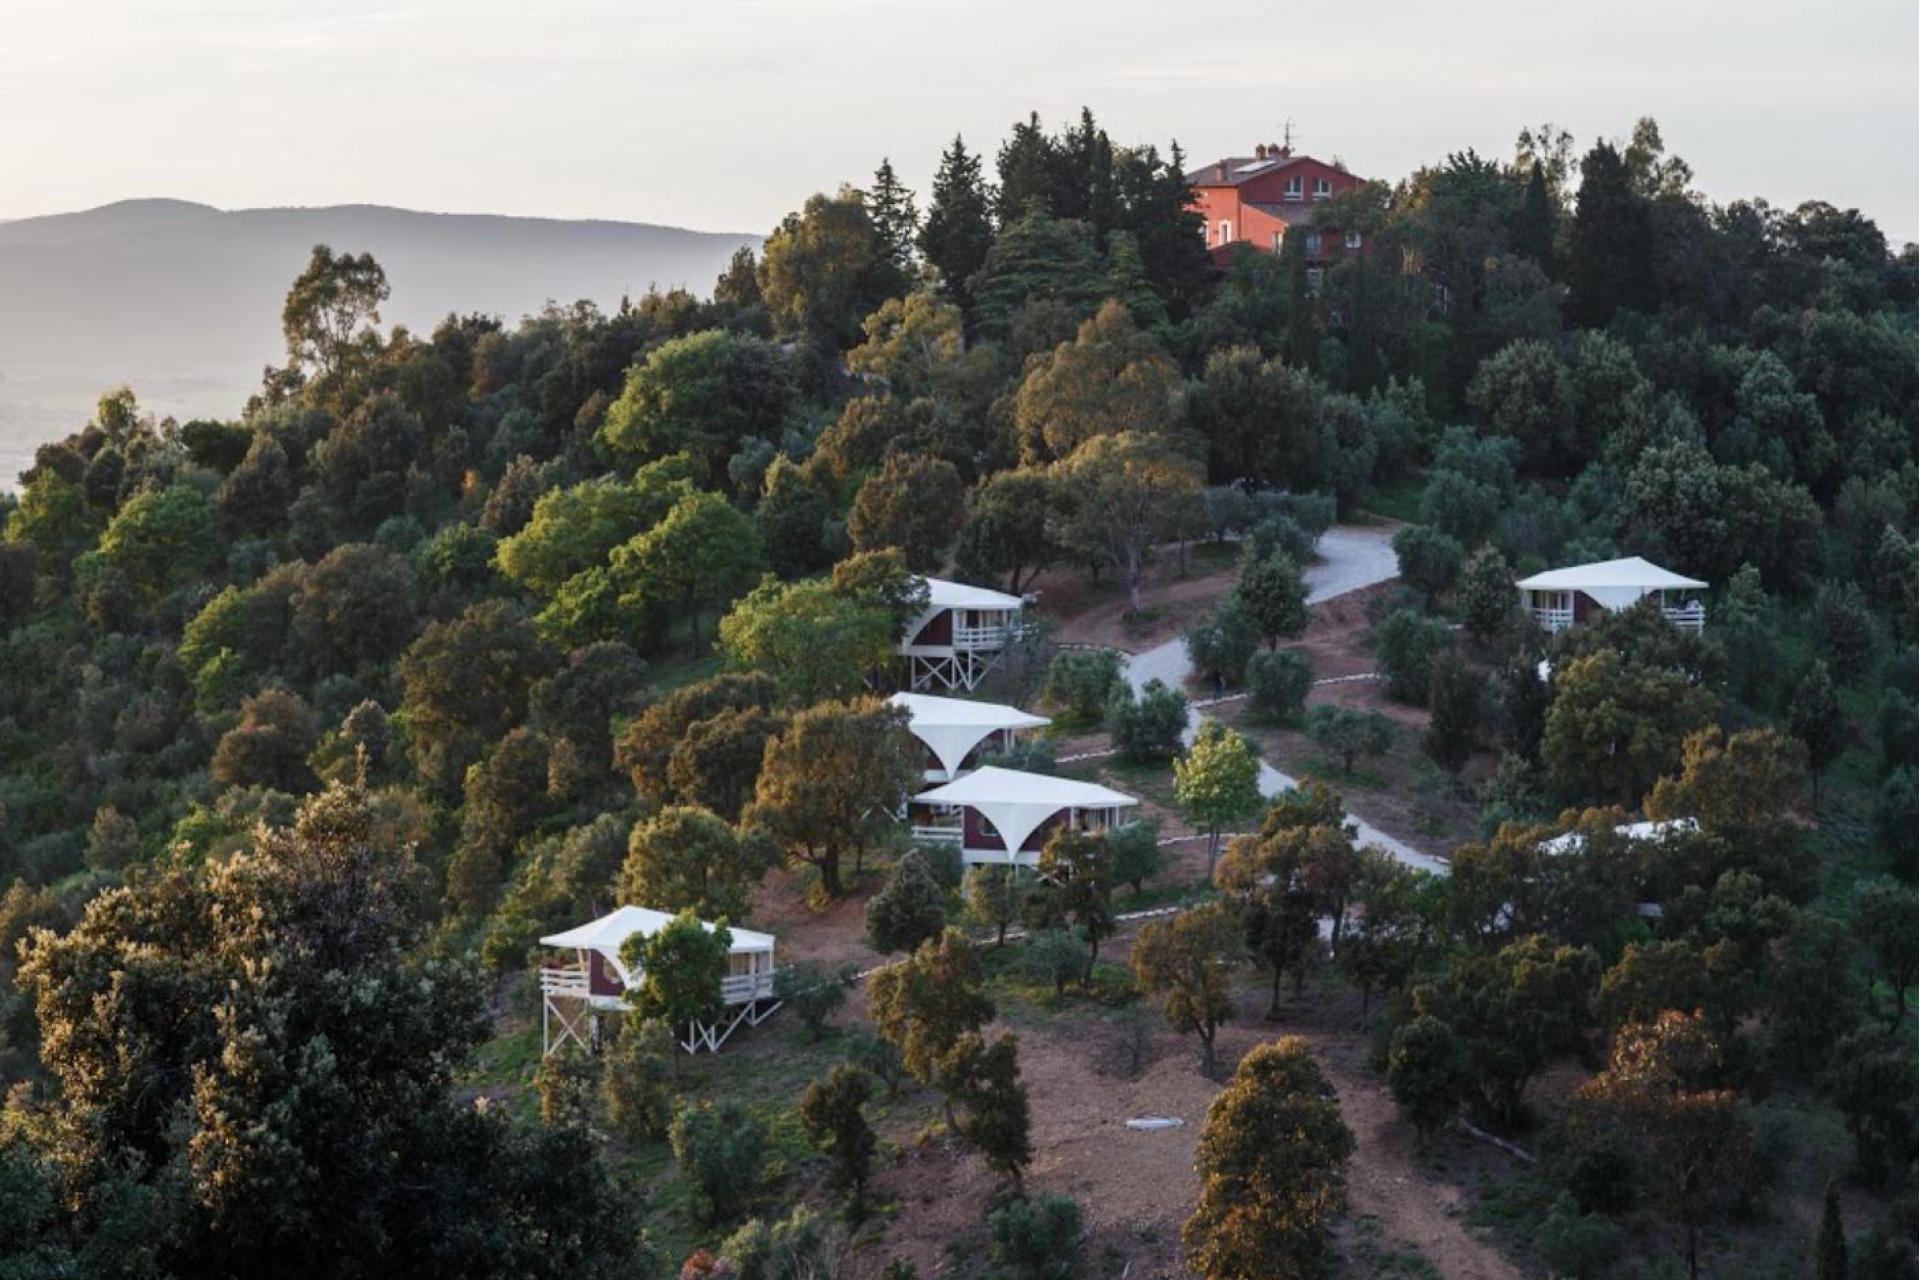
x: 182, y: 300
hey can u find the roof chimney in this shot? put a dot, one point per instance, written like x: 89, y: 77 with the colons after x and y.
x: 1260, y: 151
x: 1282, y: 152
x: 1221, y: 169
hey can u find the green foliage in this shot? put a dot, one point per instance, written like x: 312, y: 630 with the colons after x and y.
x: 1272, y: 1164
x: 1217, y: 782
x: 1037, y: 1238
x: 925, y: 1004
x: 1407, y: 645
x: 565, y: 1084
x: 1350, y: 734
x: 832, y: 1112
x: 1830, y: 1242
x: 913, y: 503
x: 722, y: 1151
x: 1426, y: 1073
x: 909, y: 910
x: 984, y: 1080
x: 635, y: 1081
x: 681, y: 967
x: 1186, y: 962
x: 1274, y: 595
x: 1454, y: 692
x: 1616, y: 725
x: 1147, y: 727
x: 1054, y: 957
x: 1430, y: 561
x: 685, y: 858
x: 813, y: 994
x: 1278, y: 681
x: 162, y: 539
x: 1080, y: 682
x: 1580, y: 1246
x: 702, y: 395
x: 703, y: 555
x: 1225, y: 641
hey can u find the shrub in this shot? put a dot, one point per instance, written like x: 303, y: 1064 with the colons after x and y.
x: 1054, y: 956
x: 1224, y: 641
x: 1280, y: 533
x: 1149, y: 727
x: 877, y: 1055
x: 1079, y: 682
x: 1580, y: 1246
x: 1429, y: 560
x: 1407, y: 644
x: 909, y: 910
x: 1277, y: 685
x: 1454, y: 695
x: 564, y: 1081
x: 635, y: 1082
x: 1037, y: 1238
x: 812, y: 993
x: 794, y: 1249
x: 721, y: 1148
x: 1134, y: 854
x: 1349, y: 734
x: 1029, y: 754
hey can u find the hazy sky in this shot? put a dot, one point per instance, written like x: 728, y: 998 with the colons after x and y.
x: 723, y: 114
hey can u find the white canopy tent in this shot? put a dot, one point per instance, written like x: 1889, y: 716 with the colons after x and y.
x: 1633, y: 831
x: 611, y: 931
x: 1613, y: 584
x: 570, y: 1002
x: 1018, y: 803
x: 952, y: 727
x: 943, y: 594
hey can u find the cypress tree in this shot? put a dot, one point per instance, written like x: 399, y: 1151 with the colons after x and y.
x: 1611, y: 263
x: 958, y: 229
x: 1830, y: 1245
x: 1533, y: 236
x: 890, y: 205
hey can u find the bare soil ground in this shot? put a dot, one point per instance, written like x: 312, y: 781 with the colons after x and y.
x: 1172, y: 602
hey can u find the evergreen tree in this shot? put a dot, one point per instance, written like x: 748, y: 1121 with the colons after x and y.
x: 1533, y: 235
x: 958, y: 229
x: 1610, y: 264
x: 1830, y: 1245
x: 890, y: 206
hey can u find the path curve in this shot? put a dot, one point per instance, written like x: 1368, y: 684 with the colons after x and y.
x: 1351, y: 557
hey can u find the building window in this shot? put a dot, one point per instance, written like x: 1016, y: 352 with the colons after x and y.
x: 1353, y: 239
x: 1226, y: 231
x: 1313, y: 243
x: 1278, y: 237
x: 1322, y: 188
x: 1293, y: 187
x: 1315, y: 278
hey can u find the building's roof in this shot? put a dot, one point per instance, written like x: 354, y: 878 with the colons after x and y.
x: 942, y: 594
x: 1632, y: 831
x: 607, y: 934
x: 951, y: 727
x: 1017, y: 803
x: 1630, y: 572
x: 1246, y: 168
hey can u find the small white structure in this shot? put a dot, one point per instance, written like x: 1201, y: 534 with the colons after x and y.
x: 960, y: 635
x: 573, y: 996
x: 957, y: 731
x: 1635, y: 832
x: 1003, y: 817
x: 1561, y: 598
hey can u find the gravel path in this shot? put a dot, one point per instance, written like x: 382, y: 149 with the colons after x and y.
x: 1350, y: 558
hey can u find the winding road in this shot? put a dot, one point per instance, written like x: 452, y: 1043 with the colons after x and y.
x: 1350, y: 558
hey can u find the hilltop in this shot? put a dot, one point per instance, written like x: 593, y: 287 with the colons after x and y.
x: 182, y: 300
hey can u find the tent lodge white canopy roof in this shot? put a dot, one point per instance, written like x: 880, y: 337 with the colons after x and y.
x: 1016, y: 803
x: 1610, y: 582
x: 609, y: 932
x: 951, y: 727
x: 942, y: 594
x: 1572, y: 840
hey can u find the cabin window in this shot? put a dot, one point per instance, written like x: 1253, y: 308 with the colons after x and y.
x: 1226, y: 231
x: 1315, y: 278
x: 1353, y: 239
x: 1313, y: 242
x: 1278, y: 236
x: 1322, y: 188
x: 1293, y: 187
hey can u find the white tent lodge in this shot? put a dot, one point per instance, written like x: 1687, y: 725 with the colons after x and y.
x: 1003, y: 817
x: 960, y: 635
x: 956, y: 732
x: 573, y: 996
x: 1561, y: 598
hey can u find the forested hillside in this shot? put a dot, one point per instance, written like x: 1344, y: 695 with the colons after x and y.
x: 315, y: 717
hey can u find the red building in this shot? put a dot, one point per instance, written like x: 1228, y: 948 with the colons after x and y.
x: 1268, y: 196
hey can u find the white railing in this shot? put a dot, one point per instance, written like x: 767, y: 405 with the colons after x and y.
x: 1552, y: 619
x: 571, y: 981
x: 990, y: 637
x: 1691, y: 616
x: 565, y: 980
x: 740, y: 988
x: 939, y: 833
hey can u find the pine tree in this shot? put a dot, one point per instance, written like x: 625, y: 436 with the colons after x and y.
x: 1830, y: 1245
x: 1031, y: 171
x: 890, y: 206
x: 1610, y: 267
x: 1533, y: 236
x: 958, y: 229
